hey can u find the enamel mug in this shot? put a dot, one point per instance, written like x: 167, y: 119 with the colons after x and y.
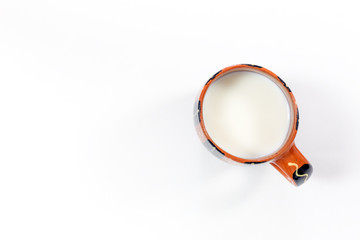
x: 287, y: 159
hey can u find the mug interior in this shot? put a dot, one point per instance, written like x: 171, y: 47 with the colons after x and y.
x: 259, y: 124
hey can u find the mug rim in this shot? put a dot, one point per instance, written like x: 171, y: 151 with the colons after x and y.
x: 294, y: 117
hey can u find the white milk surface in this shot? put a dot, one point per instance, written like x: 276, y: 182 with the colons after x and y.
x: 246, y: 114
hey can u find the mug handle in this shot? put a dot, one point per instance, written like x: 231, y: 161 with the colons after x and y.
x: 293, y: 166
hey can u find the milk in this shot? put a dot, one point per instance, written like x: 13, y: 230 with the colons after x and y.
x: 246, y: 114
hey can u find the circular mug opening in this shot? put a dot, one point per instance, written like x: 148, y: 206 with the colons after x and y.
x: 248, y: 113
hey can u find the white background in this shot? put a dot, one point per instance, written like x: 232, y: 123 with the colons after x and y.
x: 96, y: 130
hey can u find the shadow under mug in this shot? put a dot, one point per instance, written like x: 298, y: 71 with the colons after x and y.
x: 287, y: 160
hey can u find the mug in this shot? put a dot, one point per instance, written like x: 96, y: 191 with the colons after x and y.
x: 287, y: 159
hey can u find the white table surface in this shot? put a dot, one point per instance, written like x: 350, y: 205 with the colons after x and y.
x: 96, y: 131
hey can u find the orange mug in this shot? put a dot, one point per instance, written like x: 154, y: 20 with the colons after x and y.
x: 287, y: 159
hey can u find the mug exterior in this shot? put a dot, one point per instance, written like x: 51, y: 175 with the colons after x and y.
x: 287, y: 159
